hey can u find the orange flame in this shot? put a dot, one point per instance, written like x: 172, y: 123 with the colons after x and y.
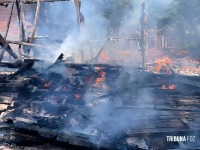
x: 100, y: 79
x: 163, y: 64
x: 172, y: 87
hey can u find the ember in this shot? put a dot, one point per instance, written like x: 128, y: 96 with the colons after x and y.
x: 47, y: 85
x: 172, y: 86
x: 99, y: 80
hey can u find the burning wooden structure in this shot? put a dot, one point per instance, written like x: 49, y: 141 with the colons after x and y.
x: 94, y: 105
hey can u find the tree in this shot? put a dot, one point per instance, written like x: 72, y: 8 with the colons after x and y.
x: 183, y: 16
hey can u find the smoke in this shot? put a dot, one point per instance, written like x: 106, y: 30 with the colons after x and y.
x: 110, y: 18
x: 109, y: 118
x: 102, y: 19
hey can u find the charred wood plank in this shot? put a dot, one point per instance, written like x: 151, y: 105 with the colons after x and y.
x: 160, y: 109
x: 83, y: 66
x: 17, y: 110
x: 8, y: 64
x: 32, y: 136
x: 22, y: 70
x: 1, y: 54
x: 164, y: 93
x: 6, y: 100
x: 75, y: 139
x: 15, y: 83
x: 189, y: 81
x: 14, y: 95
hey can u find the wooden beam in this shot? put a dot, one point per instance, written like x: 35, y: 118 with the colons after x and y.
x: 9, y: 19
x: 35, y: 20
x: 21, y: 18
x: 1, y: 54
x: 35, y: 1
x: 6, y: 46
x: 22, y: 21
x: 143, y: 30
x: 32, y: 45
x: 37, y: 12
x: 30, y: 1
x: 22, y: 70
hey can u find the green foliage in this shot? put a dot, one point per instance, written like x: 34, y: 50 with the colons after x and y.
x: 184, y: 16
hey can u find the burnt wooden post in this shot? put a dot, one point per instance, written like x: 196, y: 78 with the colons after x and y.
x: 143, y: 30
x: 20, y: 12
x: 155, y: 38
x: 80, y: 20
x: 34, y: 26
x: 35, y: 20
x: 9, y: 20
x: 77, y: 4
